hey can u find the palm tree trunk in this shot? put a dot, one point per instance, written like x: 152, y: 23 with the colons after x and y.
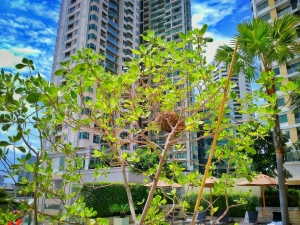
x: 281, y: 180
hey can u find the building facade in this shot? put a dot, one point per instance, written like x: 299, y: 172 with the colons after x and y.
x: 241, y: 88
x: 168, y: 18
x: 110, y: 27
x: 289, y: 122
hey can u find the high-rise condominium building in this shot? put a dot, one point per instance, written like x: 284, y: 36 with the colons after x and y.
x: 289, y: 122
x: 107, y: 26
x: 241, y: 88
x: 113, y: 28
x: 168, y: 18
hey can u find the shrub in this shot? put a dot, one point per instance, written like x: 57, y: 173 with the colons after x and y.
x: 238, y: 211
x: 272, y: 197
x: 103, y: 194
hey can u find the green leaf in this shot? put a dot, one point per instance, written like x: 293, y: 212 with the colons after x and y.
x: 28, y: 156
x: 20, y: 66
x: 29, y: 167
x: 60, y: 72
x: 33, y: 98
x: 22, y: 149
x: 24, y: 60
x: 4, y: 143
x: 6, y: 127
x: 73, y: 94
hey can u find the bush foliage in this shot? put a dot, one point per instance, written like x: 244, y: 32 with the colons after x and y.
x: 239, y: 211
x: 272, y: 197
x: 103, y: 194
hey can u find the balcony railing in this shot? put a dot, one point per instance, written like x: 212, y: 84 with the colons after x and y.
x: 109, y: 57
x: 287, y: 10
x: 293, y: 70
x: 114, y: 33
x: 108, y: 66
x: 113, y: 41
x: 113, y: 24
x: 278, y: 1
x: 292, y: 156
x: 112, y: 49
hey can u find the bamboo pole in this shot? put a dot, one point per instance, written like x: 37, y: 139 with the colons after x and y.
x: 213, y: 147
x: 264, y: 201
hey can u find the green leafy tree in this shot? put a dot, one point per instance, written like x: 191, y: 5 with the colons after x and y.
x: 295, y: 102
x: 264, y: 161
x: 32, y: 106
x: 265, y: 43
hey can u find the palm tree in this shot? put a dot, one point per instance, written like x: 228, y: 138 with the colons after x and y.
x: 295, y: 103
x: 264, y: 43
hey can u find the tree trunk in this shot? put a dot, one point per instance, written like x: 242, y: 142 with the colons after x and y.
x: 281, y: 180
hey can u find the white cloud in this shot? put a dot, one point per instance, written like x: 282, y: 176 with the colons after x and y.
x: 38, y: 8
x: 213, y: 46
x: 9, y: 59
x: 211, y: 13
x: 26, y: 51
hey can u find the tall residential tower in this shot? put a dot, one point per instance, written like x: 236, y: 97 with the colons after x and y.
x: 168, y: 18
x: 289, y: 122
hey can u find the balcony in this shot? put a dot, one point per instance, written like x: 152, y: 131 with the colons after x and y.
x: 128, y: 37
x: 278, y: 1
x: 114, y: 15
x: 111, y: 58
x: 113, y: 24
x: 111, y: 68
x: 284, y: 11
x: 292, y: 156
x: 112, y: 41
x: 114, y: 33
x: 129, y: 21
x: 113, y: 6
x: 111, y: 49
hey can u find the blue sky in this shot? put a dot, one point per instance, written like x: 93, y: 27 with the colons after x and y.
x: 28, y: 29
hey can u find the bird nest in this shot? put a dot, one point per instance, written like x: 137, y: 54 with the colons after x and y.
x: 165, y: 119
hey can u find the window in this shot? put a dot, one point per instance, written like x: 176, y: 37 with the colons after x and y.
x: 96, y: 139
x: 61, y: 163
x: 293, y: 68
x: 287, y: 9
x: 95, y: 1
x: 87, y: 98
x: 91, y: 45
x: 123, y: 135
x: 280, y: 102
x: 92, y: 36
x: 266, y: 17
x: 84, y: 135
x: 287, y: 134
x: 72, y: 10
x: 297, y: 117
x: 93, y: 7
x: 93, y: 26
x: 94, y: 17
x: 58, y: 184
x: 176, y: 10
x: 67, y: 54
x: 176, y: 23
x: 86, y: 111
x: 276, y: 71
x: 283, y: 118
x: 262, y: 6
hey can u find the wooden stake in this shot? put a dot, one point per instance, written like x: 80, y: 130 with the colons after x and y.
x: 213, y: 147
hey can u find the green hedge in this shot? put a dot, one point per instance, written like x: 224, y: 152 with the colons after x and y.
x: 238, y: 211
x: 103, y: 194
x: 272, y: 197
